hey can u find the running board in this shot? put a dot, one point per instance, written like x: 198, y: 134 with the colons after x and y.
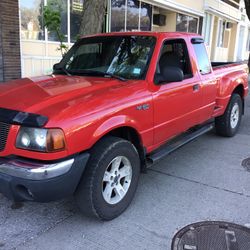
x: 177, y: 143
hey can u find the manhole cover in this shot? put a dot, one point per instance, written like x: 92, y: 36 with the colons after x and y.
x: 246, y: 164
x: 212, y: 235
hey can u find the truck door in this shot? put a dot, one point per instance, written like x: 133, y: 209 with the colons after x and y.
x: 176, y: 104
x: 209, y: 83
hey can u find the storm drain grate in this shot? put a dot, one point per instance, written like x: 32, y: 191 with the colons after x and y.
x: 246, y: 164
x: 212, y: 235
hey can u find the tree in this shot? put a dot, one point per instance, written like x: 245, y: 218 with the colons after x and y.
x: 247, y: 5
x: 52, y: 17
x: 92, y: 18
x: 52, y: 21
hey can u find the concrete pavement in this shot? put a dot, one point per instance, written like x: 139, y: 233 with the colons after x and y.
x: 204, y: 180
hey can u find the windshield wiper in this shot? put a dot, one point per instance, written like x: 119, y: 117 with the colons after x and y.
x: 63, y: 70
x: 96, y: 72
x: 115, y: 76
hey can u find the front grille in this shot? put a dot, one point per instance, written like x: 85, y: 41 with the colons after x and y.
x: 4, y: 131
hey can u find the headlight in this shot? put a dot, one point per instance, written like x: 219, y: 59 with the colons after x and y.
x: 40, y: 139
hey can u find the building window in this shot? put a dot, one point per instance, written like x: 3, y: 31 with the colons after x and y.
x: 76, y: 8
x: 62, y: 7
x: 126, y: 15
x: 117, y: 15
x: 221, y: 33
x: 200, y: 26
x: 192, y: 24
x: 186, y: 23
x: 207, y: 28
x: 130, y: 15
x: 182, y: 23
x: 133, y: 15
x: 32, y: 19
x: 145, y: 17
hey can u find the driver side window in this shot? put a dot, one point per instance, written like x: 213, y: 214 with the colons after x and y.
x: 174, y: 54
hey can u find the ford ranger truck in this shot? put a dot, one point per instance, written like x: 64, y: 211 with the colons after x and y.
x: 114, y: 105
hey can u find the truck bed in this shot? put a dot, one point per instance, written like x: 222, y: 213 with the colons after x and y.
x: 223, y: 64
x: 223, y: 68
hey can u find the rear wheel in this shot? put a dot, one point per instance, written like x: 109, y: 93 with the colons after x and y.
x: 110, y: 179
x: 228, y: 124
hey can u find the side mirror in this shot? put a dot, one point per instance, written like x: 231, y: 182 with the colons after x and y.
x: 170, y: 74
x: 56, y: 66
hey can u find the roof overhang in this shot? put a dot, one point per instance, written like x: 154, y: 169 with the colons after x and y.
x: 173, y: 6
x: 221, y: 14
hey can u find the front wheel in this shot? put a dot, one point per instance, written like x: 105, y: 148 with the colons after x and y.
x: 110, y: 180
x: 228, y: 124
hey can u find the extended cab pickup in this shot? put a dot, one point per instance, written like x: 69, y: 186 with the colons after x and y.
x: 115, y: 104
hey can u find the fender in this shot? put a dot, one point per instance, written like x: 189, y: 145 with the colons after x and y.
x: 226, y: 87
x: 230, y: 82
x: 114, y: 123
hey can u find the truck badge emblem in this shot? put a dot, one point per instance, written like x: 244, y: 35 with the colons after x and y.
x: 142, y: 107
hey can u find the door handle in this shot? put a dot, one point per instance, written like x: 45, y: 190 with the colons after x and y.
x: 196, y: 87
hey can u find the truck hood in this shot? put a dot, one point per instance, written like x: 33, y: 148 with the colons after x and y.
x: 51, y: 95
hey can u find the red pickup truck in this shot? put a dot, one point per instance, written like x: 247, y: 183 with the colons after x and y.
x: 115, y: 104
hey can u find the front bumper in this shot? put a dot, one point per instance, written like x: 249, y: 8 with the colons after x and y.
x: 22, y: 180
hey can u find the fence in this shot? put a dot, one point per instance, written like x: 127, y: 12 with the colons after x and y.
x: 38, y: 65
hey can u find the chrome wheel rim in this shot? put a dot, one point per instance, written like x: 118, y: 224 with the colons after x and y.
x: 235, y: 115
x: 116, y: 180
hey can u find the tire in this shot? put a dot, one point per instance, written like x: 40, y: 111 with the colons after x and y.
x: 229, y: 123
x: 99, y: 193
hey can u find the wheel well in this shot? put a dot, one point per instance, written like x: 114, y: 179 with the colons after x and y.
x: 240, y: 91
x: 131, y: 135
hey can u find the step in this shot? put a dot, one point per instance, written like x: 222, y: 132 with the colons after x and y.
x: 178, y: 142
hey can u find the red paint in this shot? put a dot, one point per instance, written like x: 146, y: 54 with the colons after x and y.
x: 87, y: 108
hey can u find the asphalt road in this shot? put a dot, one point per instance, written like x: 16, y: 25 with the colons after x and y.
x: 202, y: 181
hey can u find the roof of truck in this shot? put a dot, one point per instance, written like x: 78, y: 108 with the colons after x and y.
x: 147, y: 33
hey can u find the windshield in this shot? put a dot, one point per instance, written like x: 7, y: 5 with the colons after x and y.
x: 122, y: 56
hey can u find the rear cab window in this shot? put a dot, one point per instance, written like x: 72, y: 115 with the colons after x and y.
x: 203, y: 61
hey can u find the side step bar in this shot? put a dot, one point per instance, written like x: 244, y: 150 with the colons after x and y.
x: 177, y: 143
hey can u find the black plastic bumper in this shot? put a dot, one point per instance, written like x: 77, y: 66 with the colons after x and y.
x: 22, y: 189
